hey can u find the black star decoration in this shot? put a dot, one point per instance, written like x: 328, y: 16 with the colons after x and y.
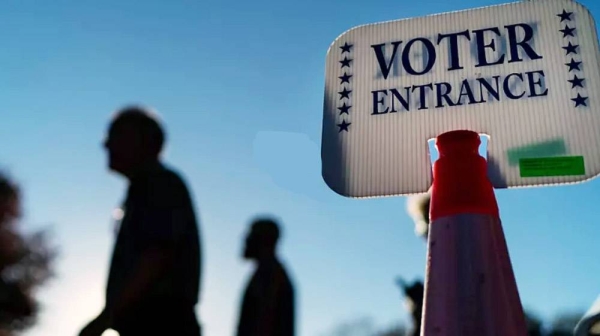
x: 568, y: 31
x: 343, y: 126
x: 346, y: 47
x: 344, y: 108
x: 576, y: 82
x: 580, y: 100
x: 573, y: 65
x: 345, y: 78
x: 571, y: 48
x: 565, y: 16
x: 345, y: 62
x: 345, y: 93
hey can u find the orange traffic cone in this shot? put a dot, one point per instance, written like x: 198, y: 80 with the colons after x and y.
x: 470, y: 288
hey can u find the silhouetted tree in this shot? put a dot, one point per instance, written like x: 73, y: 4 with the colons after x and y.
x: 25, y: 264
x: 357, y: 327
x: 365, y: 327
x: 398, y: 330
x: 564, y: 324
x: 534, y: 324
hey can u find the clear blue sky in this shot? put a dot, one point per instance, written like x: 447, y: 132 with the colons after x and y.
x: 239, y: 85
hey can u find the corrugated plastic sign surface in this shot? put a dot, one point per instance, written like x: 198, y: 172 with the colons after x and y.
x: 526, y: 74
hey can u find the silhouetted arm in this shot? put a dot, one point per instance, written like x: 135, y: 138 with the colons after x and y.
x: 151, y: 265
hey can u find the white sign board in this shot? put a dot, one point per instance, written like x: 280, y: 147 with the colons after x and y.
x: 526, y: 74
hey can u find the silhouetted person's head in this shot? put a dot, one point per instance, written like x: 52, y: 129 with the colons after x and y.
x: 262, y: 239
x: 135, y: 138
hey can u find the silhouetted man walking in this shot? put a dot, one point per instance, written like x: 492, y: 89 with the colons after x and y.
x: 268, y: 303
x: 154, y: 277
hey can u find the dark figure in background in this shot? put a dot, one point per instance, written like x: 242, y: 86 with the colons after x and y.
x: 418, y: 209
x: 413, y: 298
x: 25, y: 264
x: 268, y: 303
x: 154, y: 278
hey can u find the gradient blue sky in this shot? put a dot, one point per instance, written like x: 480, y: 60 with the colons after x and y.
x: 239, y: 85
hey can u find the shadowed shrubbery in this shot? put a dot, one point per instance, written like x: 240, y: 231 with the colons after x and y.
x: 25, y: 263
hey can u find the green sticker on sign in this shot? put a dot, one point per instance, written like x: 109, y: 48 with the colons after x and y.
x: 552, y: 166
